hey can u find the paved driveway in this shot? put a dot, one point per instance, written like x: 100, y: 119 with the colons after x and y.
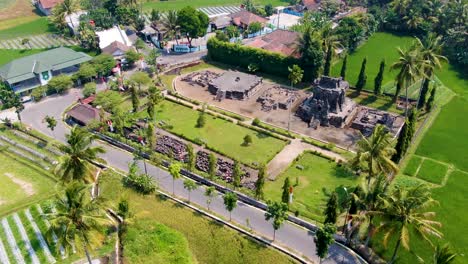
x: 290, y: 235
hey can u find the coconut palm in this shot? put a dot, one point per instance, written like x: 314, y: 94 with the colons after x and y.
x: 69, y: 7
x: 170, y: 24
x: 410, y: 65
x: 75, y: 164
x: 404, y: 213
x: 443, y: 255
x: 374, y: 154
x: 76, y: 219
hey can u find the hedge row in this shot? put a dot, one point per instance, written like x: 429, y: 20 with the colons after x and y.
x: 273, y: 129
x: 268, y: 62
x: 175, y: 94
x: 226, y: 113
x: 266, y: 132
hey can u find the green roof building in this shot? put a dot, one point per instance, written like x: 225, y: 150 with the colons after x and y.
x: 27, y: 73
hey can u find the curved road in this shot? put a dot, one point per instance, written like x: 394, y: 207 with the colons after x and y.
x: 289, y: 235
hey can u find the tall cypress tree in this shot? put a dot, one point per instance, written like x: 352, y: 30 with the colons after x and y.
x: 327, y: 65
x: 260, y: 183
x: 413, y: 119
x: 401, y: 145
x: 285, y: 194
x: 397, y: 91
x: 343, y: 67
x: 379, y: 78
x: 422, y: 96
x: 236, y: 174
x: 330, y: 209
x: 362, y: 76
x: 431, y: 100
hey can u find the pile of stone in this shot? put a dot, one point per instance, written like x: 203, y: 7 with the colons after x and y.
x: 202, y: 161
x: 200, y: 78
x: 172, y: 147
x: 277, y: 97
x: 224, y: 168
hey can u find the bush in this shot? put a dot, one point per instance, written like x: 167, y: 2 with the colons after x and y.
x: 89, y: 89
x: 201, y: 121
x: 247, y: 140
x: 38, y: 93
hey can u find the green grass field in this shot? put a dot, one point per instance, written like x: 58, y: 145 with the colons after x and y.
x: 178, y: 4
x: 27, y: 183
x: 220, y: 134
x: 34, y: 27
x: 318, y: 178
x: 432, y: 171
x: 413, y: 165
x: 208, y: 241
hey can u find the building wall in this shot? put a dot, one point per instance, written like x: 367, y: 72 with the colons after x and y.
x: 45, y: 11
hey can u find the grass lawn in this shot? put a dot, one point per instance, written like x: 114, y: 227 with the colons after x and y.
x: 8, y: 55
x: 208, y: 241
x: 220, y: 134
x: 178, y: 4
x: 29, y: 178
x: 413, y: 165
x: 318, y: 178
x: 432, y: 171
x: 384, y: 103
x: 380, y: 46
x: 37, y: 26
x: 148, y: 241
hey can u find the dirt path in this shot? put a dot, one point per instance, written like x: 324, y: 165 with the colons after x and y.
x: 27, y: 187
x: 283, y: 159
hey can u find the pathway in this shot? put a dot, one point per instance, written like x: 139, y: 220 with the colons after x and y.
x: 37, y: 42
x: 290, y: 235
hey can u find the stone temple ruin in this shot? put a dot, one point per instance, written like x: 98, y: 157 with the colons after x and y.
x: 234, y: 85
x: 277, y: 98
x: 328, y: 105
x: 368, y: 118
x: 202, y: 78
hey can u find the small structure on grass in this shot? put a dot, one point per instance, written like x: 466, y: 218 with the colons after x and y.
x: 328, y: 105
x: 234, y: 85
x: 368, y: 118
x: 277, y: 98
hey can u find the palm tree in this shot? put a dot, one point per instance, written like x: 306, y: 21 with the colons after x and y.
x: 404, y: 214
x: 75, y: 164
x: 410, y: 66
x: 374, y: 154
x: 443, y: 255
x: 76, y: 219
x: 69, y: 7
x: 170, y: 24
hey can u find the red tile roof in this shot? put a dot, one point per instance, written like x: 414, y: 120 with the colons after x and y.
x: 49, y: 3
x: 246, y: 18
x: 311, y: 4
x: 84, y: 113
x: 282, y: 41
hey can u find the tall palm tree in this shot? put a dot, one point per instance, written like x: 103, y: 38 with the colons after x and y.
x: 404, y: 213
x: 69, y: 7
x: 76, y: 219
x: 410, y: 65
x: 374, y: 154
x: 443, y: 255
x: 75, y: 164
x: 170, y: 24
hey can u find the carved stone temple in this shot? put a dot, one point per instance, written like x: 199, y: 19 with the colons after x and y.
x: 328, y: 105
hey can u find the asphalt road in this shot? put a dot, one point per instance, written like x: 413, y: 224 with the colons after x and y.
x: 289, y: 235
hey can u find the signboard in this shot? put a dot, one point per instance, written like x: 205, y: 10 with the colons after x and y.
x: 45, y: 76
x: 181, y: 48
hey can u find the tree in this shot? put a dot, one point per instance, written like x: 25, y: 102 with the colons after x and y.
x: 190, y: 185
x: 152, y: 58
x: 410, y: 66
x: 260, y: 183
x: 374, y: 153
x: 232, y: 31
x: 170, y: 23
x: 201, y: 121
x: 75, y: 164
x: 310, y: 48
x: 76, y: 219
x: 89, y: 40
x: 330, y: 210
x: 254, y: 27
x: 401, y: 145
x: 132, y: 56
x: 25, y: 42
x: 220, y: 35
x: 247, y: 140
x: 269, y: 10
x: 11, y: 99
x: 343, y: 67
x: 323, y: 239
x: 404, y: 214
x: 295, y: 74
x: 379, y: 78
x: 154, y: 98
x: 236, y: 174
x: 69, y: 7
x: 230, y: 202
x: 328, y: 59
x: 103, y: 64
x: 249, y: 5
x: 123, y: 211
x: 141, y: 183
x: 285, y: 193
x: 362, y: 76
x: 151, y: 136
x: 191, y: 157
x: 89, y: 89
x: 430, y: 102
x: 423, y: 93
x: 174, y: 170
x: 60, y: 83
x: 443, y: 255
x: 210, y: 192
x: 212, y: 163
x: 278, y: 211
x: 193, y: 23
x: 155, y: 16
x: 51, y: 123
x: 141, y: 79
x: 139, y: 44
x: 135, y: 99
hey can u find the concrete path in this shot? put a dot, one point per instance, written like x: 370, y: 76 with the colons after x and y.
x: 289, y: 236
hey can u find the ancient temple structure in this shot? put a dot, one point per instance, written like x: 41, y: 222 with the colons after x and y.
x: 328, y: 105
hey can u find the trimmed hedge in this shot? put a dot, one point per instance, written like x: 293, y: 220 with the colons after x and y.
x: 243, y: 56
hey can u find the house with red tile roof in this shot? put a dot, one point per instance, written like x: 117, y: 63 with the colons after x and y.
x: 280, y: 40
x: 46, y: 5
x: 244, y: 18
